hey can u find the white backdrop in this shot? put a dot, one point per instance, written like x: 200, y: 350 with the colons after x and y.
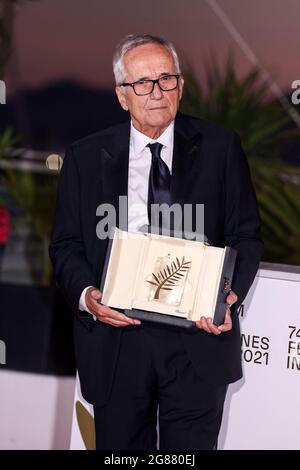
x: 262, y: 409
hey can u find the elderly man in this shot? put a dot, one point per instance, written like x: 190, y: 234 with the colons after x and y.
x: 129, y: 369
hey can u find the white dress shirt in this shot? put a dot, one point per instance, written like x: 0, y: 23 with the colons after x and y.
x: 138, y: 179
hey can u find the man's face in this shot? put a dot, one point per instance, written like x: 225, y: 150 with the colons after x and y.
x: 150, y: 114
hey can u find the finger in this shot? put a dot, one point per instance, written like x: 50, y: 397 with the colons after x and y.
x: 106, y: 311
x: 231, y: 298
x: 227, y: 318
x: 227, y: 325
x: 117, y: 323
x: 112, y: 321
x: 223, y: 328
x: 116, y: 320
x: 202, y: 324
x: 213, y: 328
x: 207, y: 325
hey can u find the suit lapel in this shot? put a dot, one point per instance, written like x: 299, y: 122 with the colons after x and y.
x: 114, y: 170
x: 112, y: 166
x: 187, y: 143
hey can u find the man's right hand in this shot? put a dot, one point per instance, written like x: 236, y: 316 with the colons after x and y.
x: 106, y: 314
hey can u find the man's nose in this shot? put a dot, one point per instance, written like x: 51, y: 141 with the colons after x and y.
x: 157, y: 93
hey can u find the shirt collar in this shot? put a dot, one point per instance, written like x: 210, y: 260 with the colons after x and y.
x: 138, y: 140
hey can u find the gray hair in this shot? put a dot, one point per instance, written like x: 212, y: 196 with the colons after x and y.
x: 134, y: 40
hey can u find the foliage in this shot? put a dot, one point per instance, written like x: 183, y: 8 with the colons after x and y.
x: 243, y: 105
x: 7, y: 141
x: 239, y: 104
x: 277, y: 188
x: 34, y: 194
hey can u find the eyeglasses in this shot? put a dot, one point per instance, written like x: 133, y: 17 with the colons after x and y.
x: 146, y: 87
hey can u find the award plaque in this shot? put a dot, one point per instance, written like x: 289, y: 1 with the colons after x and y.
x: 165, y: 279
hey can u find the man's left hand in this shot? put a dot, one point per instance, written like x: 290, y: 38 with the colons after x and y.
x: 207, y: 325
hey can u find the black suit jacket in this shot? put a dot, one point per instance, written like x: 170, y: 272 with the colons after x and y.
x: 209, y: 167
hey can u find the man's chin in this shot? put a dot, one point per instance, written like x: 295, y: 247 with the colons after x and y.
x: 160, y: 118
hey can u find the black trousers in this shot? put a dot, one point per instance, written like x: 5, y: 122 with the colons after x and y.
x: 154, y: 372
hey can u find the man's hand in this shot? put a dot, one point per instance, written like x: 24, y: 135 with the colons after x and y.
x: 206, y: 323
x: 104, y: 313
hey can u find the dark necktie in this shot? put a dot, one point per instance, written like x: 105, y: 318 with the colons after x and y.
x: 159, y: 179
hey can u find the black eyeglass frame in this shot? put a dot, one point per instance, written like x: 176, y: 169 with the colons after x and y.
x: 176, y: 75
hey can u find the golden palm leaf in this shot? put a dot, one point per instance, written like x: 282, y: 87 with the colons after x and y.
x: 168, y: 277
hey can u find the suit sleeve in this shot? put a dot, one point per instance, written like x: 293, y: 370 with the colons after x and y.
x: 242, y: 223
x: 72, y: 271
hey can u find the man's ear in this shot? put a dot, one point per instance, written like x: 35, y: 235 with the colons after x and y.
x: 181, y: 85
x: 121, y: 97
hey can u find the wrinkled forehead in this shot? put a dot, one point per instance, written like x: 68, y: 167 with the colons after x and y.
x: 148, y: 61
